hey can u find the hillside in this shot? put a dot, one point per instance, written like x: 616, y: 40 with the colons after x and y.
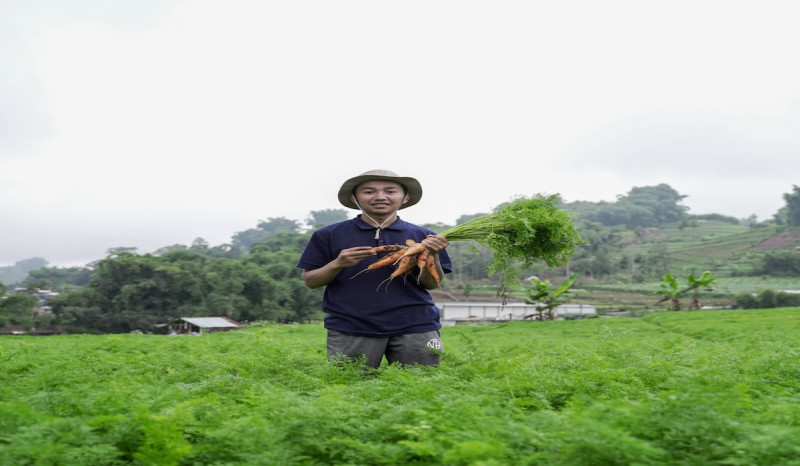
x: 725, y: 249
x: 730, y: 252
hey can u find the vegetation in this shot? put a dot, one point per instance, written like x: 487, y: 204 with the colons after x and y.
x: 767, y: 299
x: 626, y: 248
x: 547, y: 298
x: 19, y: 271
x: 521, y: 232
x: 139, y: 292
x: 696, y: 284
x: 672, y: 291
x: 718, y: 387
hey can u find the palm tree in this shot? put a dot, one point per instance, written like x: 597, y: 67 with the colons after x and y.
x: 695, y: 284
x: 670, y: 290
x: 546, y: 299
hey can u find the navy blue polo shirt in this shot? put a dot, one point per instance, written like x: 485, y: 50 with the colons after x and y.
x: 366, y: 305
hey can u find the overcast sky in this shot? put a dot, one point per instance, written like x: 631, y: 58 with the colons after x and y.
x: 150, y: 123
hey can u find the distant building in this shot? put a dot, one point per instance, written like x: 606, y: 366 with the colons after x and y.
x: 44, y: 330
x: 13, y: 330
x: 455, y: 311
x: 42, y: 297
x: 200, y: 325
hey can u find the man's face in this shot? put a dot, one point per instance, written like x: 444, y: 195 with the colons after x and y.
x: 380, y: 197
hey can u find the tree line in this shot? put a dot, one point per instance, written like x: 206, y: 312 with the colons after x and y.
x: 254, y: 277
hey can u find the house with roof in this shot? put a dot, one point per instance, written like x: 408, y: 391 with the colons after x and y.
x: 201, y: 325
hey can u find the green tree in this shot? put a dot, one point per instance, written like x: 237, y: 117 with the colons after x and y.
x: 781, y: 263
x: 77, y: 312
x: 60, y: 279
x: 670, y: 290
x: 792, y: 212
x: 695, y: 284
x: 546, y: 297
x: 320, y: 218
x: 17, y: 273
x: 17, y: 309
x: 745, y: 301
x: 768, y: 299
x: 661, y: 201
x: 272, y: 226
x: 641, y: 207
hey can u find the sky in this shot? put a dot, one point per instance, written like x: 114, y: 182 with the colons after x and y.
x: 145, y: 123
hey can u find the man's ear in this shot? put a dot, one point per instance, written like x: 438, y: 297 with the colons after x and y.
x: 406, y: 199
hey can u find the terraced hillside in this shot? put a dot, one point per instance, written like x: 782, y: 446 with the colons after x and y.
x: 723, y: 248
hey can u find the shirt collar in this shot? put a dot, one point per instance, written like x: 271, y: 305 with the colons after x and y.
x: 398, y: 224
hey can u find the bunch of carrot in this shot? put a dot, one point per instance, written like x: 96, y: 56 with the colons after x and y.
x: 520, y: 232
x: 405, y: 258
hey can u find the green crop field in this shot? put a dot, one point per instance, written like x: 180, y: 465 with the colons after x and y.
x: 710, y: 387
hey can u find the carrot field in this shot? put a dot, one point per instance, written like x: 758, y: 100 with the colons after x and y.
x: 710, y: 387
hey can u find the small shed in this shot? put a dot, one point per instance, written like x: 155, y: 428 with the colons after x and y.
x: 13, y: 330
x: 47, y: 330
x: 200, y: 325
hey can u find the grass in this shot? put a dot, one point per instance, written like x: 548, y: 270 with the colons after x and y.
x: 716, y: 387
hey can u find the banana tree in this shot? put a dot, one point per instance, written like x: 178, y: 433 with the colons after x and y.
x: 547, y: 299
x: 671, y: 291
x: 695, y: 284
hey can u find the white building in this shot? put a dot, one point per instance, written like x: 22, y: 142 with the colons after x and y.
x: 454, y: 311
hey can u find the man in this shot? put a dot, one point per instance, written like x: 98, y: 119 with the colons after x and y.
x: 365, y: 316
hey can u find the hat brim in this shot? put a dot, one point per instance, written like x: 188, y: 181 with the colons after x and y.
x: 413, y: 189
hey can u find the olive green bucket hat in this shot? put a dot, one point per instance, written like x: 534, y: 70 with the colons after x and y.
x: 412, y: 186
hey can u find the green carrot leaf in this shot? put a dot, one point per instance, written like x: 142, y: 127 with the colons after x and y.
x: 519, y: 233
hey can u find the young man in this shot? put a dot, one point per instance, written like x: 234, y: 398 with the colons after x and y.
x: 366, y: 317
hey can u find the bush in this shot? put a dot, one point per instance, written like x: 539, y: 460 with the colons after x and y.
x: 766, y: 299
x: 745, y: 301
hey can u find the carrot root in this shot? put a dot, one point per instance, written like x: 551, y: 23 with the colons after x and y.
x: 384, y: 261
x: 413, y: 250
x: 430, y: 267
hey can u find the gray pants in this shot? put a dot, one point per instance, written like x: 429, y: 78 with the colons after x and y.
x: 416, y: 348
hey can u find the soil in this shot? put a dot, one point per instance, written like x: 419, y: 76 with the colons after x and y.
x: 776, y: 242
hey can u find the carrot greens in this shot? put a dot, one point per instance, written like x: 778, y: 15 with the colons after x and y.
x: 519, y: 233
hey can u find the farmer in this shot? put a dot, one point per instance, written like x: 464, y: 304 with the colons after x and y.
x: 369, y: 315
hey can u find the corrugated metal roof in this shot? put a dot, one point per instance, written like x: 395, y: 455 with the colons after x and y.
x: 210, y: 322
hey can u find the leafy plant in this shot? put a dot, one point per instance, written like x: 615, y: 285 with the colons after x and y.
x: 695, y: 284
x: 521, y: 232
x: 669, y: 388
x: 671, y: 291
x: 546, y: 298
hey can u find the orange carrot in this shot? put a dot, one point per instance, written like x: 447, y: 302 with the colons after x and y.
x: 413, y: 250
x: 388, y: 248
x: 384, y: 261
x: 422, y: 259
x: 404, y: 265
x: 430, y: 267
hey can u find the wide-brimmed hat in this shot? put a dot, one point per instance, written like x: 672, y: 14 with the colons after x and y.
x: 413, y: 188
